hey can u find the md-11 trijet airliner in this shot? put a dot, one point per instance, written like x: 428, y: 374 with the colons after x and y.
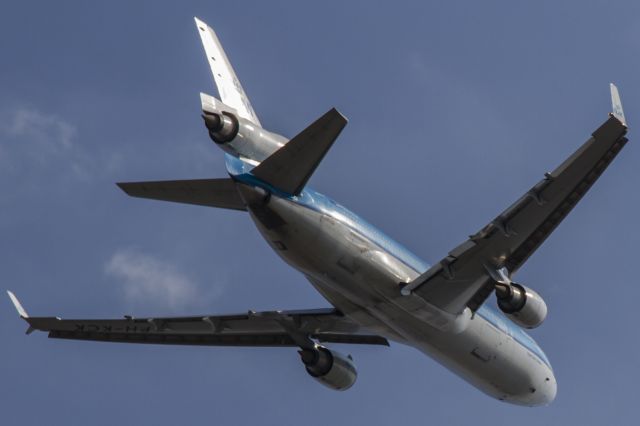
x: 379, y: 291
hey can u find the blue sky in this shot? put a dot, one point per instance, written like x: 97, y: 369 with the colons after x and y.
x: 455, y: 109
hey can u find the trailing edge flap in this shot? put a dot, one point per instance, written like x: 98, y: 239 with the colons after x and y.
x: 290, y: 167
x: 231, y: 91
x: 203, y: 192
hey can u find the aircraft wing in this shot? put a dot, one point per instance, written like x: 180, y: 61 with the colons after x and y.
x: 272, y: 328
x: 467, y: 275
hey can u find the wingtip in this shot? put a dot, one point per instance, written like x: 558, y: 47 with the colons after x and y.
x: 616, y: 104
x: 123, y: 187
x: 336, y: 113
x: 16, y: 303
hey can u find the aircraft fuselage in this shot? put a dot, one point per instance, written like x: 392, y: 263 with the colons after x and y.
x: 358, y: 270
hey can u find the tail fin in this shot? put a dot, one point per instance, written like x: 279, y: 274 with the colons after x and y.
x: 229, y: 87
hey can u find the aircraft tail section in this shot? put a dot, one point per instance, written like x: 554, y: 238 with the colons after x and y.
x: 229, y: 87
x: 231, y: 121
x: 285, y: 165
x: 221, y: 193
x: 290, y: 167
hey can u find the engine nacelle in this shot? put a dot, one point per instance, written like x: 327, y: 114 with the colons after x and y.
x: 330, y: 368
x: 237, y: 135
x: 522, y: 305
x: 223, y: 127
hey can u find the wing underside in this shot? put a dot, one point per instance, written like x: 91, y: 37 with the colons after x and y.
x: 464, y: 278
x: 272, y: 328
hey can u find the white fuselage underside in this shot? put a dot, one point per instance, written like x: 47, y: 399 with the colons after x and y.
x: 361, y: 279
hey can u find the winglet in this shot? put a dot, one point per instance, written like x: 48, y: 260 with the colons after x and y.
x: 616, y: 104
x: 18, y: 306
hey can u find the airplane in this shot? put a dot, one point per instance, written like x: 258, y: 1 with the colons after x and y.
x: 379, y: 291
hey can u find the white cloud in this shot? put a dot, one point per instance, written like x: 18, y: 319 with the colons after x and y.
x: 52, y: 131
x: 33, y: 142
x: 148, y: 280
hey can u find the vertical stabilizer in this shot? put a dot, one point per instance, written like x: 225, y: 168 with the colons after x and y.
x: 229, y: 87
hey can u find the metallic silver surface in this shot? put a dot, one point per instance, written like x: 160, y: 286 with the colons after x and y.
x: 242, y: 138
x: 522, y: 305
x: 330, y: 368
x: 340, y: 261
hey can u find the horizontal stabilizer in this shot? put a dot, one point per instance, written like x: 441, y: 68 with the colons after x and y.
x: 290, y: 167
x: 220, y: 193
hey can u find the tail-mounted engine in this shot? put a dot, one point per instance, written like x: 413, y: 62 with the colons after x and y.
x: 223, y: 126
x: 235, y: 134
x: 522, y: 305
x: 330, y: 368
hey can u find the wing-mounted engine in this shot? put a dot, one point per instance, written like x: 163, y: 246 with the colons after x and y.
x: 522, y: 305
x: 330, y: 368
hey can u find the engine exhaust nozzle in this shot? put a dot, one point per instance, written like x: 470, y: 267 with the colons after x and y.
x: 222, y: 127
x: 212, y: 121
